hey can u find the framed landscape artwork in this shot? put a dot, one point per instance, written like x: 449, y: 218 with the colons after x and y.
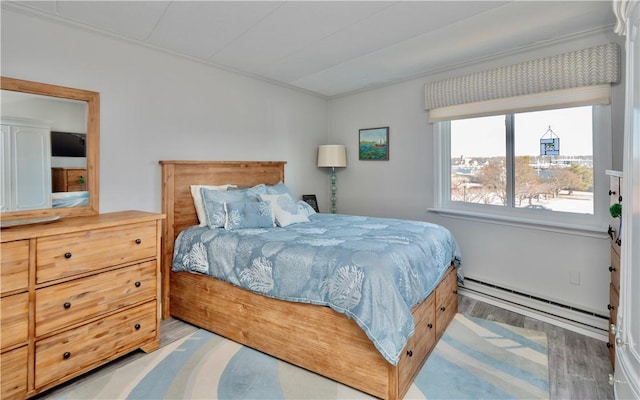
x: 374, y: 144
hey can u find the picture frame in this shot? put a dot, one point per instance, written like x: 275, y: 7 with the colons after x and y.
x: 373, y: 144
x: 311, y: 200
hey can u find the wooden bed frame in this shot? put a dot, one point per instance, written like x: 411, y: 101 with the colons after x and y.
x: 313, y: 337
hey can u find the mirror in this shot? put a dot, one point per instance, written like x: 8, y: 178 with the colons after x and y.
x: 57, y: 159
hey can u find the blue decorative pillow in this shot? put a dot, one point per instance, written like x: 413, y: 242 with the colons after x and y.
x: 279, y: 188
x: 248, y: 214
x: 213, y: 201
x: 285, y: 209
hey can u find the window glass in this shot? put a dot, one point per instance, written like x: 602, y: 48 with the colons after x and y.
x: 561, y: 180
x: 478, y: 154
x: 541, y: 161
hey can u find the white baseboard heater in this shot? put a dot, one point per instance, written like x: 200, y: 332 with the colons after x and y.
x: 571, y: 318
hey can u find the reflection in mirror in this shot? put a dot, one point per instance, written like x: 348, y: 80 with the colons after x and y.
x: 49, y: 150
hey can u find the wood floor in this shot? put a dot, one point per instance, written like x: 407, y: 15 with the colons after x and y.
x: 578, y: 365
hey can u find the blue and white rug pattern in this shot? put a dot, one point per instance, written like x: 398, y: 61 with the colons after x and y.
x: 475, y: 359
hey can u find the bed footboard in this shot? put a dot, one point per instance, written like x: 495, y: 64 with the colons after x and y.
x: 310, y: 336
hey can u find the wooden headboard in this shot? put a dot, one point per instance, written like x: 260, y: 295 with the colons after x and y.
x: 177, y: 203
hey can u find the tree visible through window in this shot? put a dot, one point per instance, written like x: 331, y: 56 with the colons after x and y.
x: 501, y: 160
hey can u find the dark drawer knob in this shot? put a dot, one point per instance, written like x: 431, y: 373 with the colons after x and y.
x: 67, y: 255
x: 610, y: 307
x: 611, y: 269
x: 409, y: 353
x: 609, y: 345
x: 66, y: 355
x: 455, y: 292
x: 443, y: 308
x: 138, y: 241
x: 137, y: 326
x: 137, y: 284
x: 611, y: 192
x: 430, y: 325
x: 67, y: 305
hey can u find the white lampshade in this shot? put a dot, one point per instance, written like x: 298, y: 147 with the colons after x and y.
x: 332, y: 155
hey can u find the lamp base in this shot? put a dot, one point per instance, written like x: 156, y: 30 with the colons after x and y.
x: 333, y: 188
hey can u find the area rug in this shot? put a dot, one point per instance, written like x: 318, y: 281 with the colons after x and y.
x: 475, y: 359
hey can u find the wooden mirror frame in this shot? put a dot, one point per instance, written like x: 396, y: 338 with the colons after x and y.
x: 93, y: 146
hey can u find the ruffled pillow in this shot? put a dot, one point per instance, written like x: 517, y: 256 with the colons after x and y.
x: 214, y: 200
x: 197, y: 200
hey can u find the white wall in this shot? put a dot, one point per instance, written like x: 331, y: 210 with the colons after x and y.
x: 531, y: 261
x: 156, y: 106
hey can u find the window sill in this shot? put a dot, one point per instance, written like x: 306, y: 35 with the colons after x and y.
x: 549, y: 226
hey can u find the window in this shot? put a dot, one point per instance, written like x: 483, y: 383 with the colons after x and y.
x: 541, y: 167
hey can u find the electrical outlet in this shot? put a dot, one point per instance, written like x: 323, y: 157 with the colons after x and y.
x: 574, y: 278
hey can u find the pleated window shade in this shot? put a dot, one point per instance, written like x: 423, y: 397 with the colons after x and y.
x: 571, y: 79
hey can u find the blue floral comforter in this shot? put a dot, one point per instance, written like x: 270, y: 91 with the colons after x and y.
x: 374, y: 270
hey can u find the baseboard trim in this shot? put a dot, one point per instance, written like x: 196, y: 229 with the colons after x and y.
x: 589, y: 325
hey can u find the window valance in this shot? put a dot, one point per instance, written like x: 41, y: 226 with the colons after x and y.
x: 570, y: 79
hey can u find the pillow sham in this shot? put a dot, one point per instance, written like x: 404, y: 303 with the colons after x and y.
x: 261, y: 188
x: 197, y: 200
x: 247, y: 214
x: 285, y: 209
x: 213, y: 201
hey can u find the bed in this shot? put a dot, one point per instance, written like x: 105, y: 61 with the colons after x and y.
x: 312, y: 336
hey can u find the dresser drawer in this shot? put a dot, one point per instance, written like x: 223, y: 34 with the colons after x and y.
x: 76, y: 180
x: 13, y: 373
x: 14, y: 270
x: 615, y: 270
x: 446, y: 301
x: 14, y: 319
x: 418, y: 344
x: 75, y: 351
x: 77, y: 253
x: 76, y: 301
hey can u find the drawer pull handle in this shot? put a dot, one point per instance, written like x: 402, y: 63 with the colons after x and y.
x: 443, y: 308
x: 409, y: 353
x: 67, y: 305
x: 610, y: 307
x: 430, y: 325
x: 609, y: 345
x: 137, y: 326
x: 137, y: 284
x: 67, y: 255
x: 455, y: 292
x: 611, y: 269
x: 66, y: 355
x: 138, y: 241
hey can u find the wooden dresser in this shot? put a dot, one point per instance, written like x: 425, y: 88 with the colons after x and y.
x: 76, y: 293
x: 69, y: 179
x: 615, y: 197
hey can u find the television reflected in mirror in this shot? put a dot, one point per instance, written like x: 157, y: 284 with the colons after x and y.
x: 68, y: 144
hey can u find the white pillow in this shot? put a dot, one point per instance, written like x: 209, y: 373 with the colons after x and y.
x: 305, y: 208
x: 197, y: 200
x: 285, y: 209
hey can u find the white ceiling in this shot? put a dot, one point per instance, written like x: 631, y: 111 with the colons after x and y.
x: 334, y: 47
